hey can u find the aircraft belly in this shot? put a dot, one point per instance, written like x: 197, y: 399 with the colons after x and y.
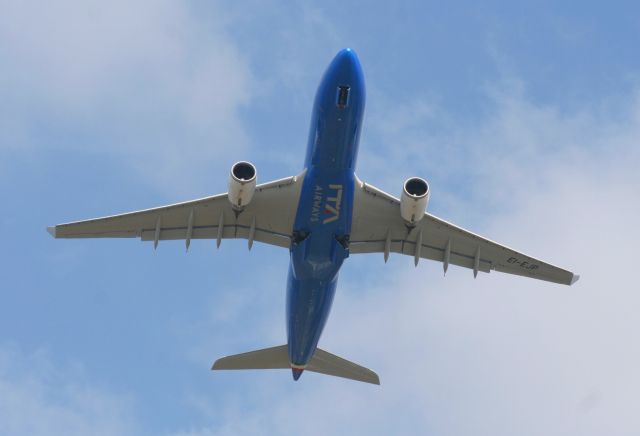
x: 322, y: 226
x: 308, y: 306
x: 323, y: 223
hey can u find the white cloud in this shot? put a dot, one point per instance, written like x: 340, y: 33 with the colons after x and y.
x: 40, y: 398
x: 149, y: 82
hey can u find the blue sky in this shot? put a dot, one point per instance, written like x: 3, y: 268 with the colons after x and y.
x: 525, y: 118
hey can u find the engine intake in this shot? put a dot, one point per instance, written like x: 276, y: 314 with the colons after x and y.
x: 242, y: 184
x: 414, y: 200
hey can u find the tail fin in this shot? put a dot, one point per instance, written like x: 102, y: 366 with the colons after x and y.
x: 278, y: 358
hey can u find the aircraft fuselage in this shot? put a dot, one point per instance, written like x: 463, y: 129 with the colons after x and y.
x: 323, y: 219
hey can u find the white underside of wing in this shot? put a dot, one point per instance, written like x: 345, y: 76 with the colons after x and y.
x: 378, y: 228
x: 268, y: 218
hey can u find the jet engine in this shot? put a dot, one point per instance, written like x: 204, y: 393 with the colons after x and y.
x: 414, y: 200
x: 242, y: 184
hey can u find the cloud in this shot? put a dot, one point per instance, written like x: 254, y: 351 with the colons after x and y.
x: 39, y: 398
x: 150, y: 83
x: 500, y: 355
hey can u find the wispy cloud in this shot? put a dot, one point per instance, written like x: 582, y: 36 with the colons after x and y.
x: 38, y: 397
x: 148, y: 82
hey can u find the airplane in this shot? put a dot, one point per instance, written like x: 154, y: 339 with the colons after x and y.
x: 322, y: 215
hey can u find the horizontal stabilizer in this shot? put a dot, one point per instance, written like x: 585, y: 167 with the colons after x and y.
x: 330, y: 364
x: 278, y: 358
x: 268, y: 358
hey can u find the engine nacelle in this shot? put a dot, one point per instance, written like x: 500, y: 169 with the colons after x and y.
x: 414, y: 200
x: 242, y: 184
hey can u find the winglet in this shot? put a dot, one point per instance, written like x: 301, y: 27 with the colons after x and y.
x: 574, y: 279
x: 52, y: 231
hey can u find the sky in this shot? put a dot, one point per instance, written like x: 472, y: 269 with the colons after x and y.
x: 523, y: 116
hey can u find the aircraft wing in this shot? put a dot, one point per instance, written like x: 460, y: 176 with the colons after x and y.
x: 378, y: 228
x: 268, y: 218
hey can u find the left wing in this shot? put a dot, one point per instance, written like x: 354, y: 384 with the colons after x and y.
x: 267, y: 218
x: 378, y: 228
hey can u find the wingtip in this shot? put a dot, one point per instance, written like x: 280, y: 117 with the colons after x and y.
x: 574, y: 279
x: 52, y: 231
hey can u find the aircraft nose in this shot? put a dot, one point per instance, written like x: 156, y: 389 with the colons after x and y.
x: 347, y: 59
x: 344, y: 73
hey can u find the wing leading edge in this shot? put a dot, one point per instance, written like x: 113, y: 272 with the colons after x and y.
x: 378, y: 228
x: 268, y: 218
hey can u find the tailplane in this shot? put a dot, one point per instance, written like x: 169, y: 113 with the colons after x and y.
x: 278, y: 358
x: 330, y: 364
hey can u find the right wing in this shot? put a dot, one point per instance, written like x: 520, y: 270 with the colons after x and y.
x: 267, y: 218
x: 378, y: 228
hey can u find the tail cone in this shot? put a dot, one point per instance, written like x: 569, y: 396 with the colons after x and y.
x: 297, y: 372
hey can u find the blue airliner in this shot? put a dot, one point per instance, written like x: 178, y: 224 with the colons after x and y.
x: 322, y: 215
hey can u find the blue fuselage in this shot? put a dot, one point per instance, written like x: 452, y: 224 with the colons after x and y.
x: 323, y: 220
